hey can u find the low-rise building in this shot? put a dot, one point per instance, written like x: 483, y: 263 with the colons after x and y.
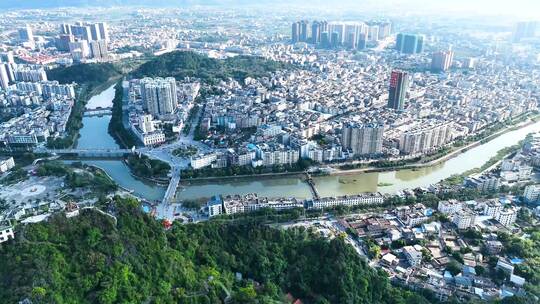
x: 483, y: 183
x: 532, y: 193
x: 202, y: 160
x: 413, y: 256
x: 6, y: 164
x: 362, y: 199
x: 463, y: 219
x: 493, y: 208
x: 6, y: 233
x: 449, y: 207
x: 505, y: 266
x: 494, y: 247
x: 507, y: 217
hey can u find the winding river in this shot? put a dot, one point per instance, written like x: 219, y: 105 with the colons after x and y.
x: 94, y: 135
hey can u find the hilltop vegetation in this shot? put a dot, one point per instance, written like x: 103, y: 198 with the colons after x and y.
x: 91, y: 74
x: 90, y: 259
x: 189, y: 64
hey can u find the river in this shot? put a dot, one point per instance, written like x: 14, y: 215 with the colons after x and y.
x: 94, y: 135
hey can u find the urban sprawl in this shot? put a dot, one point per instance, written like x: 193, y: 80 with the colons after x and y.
x: 351, y: 95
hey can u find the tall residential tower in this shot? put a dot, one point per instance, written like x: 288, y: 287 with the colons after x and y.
x: 399, y: 82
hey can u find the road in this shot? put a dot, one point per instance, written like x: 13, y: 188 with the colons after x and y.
x: 165, y: 152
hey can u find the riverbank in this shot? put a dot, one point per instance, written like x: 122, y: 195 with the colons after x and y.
x: 345, y: 172
x: 453, y: 153
x: 270, y: 175
x: 75, y: 120
x: 116, y: 128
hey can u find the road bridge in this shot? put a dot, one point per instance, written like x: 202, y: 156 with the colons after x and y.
x: 173, y: 185
x: 113, y: 153
x: 98, y: 112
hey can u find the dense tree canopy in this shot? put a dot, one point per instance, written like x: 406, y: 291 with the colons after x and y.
x: 189, y: 64
x: 93, y: 259
x: 92, y: 73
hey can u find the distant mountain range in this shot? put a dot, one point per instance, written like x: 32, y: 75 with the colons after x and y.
x: 514, y: 8
x: 14, y: 4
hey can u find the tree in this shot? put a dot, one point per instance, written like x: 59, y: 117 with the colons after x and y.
x: 480, y: 270
x: 454, y: 268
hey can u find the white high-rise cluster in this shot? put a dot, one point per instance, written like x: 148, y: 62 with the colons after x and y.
x: 159, y: 95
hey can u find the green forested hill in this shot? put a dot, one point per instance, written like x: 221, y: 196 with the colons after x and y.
x: 182, y: 64
x: 89, y: 259
x: 92, y: 74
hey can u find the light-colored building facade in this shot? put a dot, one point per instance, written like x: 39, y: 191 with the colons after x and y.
x: 6, y: 164
x: 6, y: 233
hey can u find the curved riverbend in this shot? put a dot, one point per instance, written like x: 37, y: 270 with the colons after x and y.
x: 95, y: 134
x: 347, y: 184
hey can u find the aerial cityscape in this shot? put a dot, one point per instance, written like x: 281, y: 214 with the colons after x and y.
x: 177, y: 151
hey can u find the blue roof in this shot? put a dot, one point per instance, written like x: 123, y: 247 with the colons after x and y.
x: 469, y: 270
x: 506, y: 293
x: 461, y: 280
x: 504, y: 200
x: 516, y: 261
x: 216, y: 200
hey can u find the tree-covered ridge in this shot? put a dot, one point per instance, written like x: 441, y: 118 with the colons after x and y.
x: 92, y: 74
x: 92, y: 259
x: 182, y: 64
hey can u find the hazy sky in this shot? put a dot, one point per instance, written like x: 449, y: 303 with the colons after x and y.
x: 517, y: 8
x: 524, y: 8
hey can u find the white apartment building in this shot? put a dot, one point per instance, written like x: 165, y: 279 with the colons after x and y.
x: 519, y: 173
x: 363, y: 139
x: 414, y: 219
x: 145, y: 130
x: 507, y: 217
x: 363, y: 199
x: 449, y: 207
x: 153, y: 139
x: 413, y: 256
x: 493, y: 208
x: 159, y: 95
x: 279, y: 157
x: 280, y: 204
x: 6, y: 233
x: 215, y: 206
x: 532, y: 193
x: 269, y: 130
x: 202, y: 160
x: 425, y: 138
x: 235, y: 206
x: 284, y: 204
x: 6, y: 164
x: 146, y: 123
x: 483, y: 183
x: 463, y: 219
x: 30, y: 73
